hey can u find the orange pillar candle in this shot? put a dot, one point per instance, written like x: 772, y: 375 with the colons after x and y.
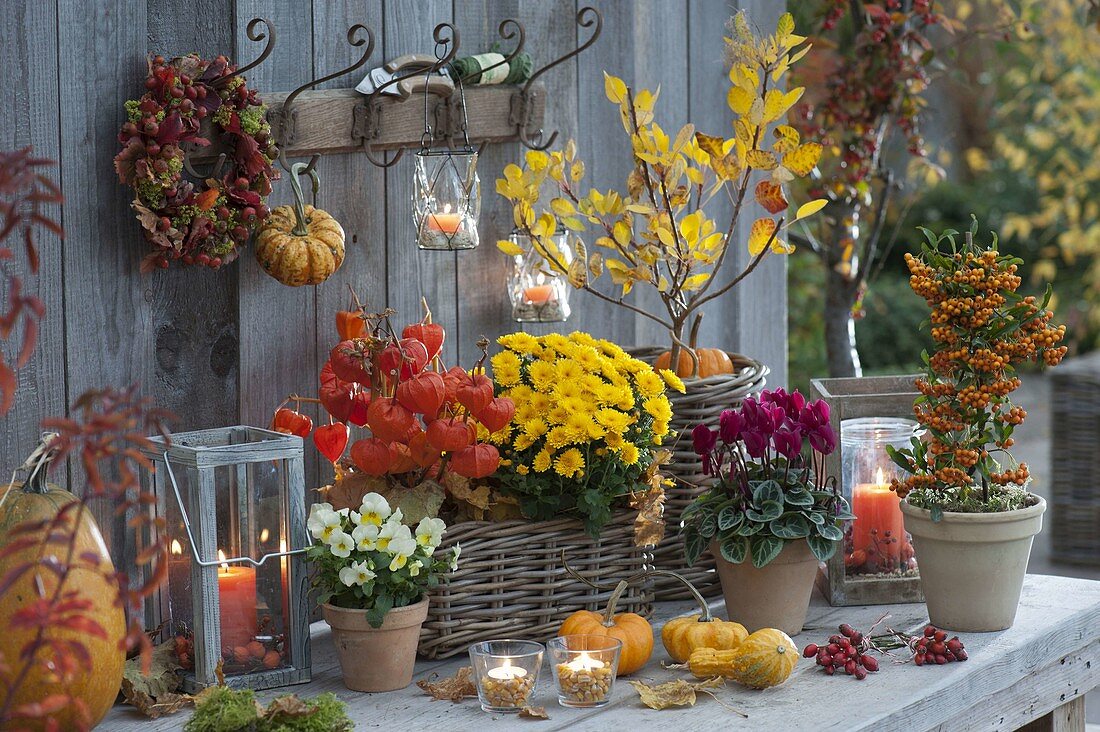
x: 237, y: 601
x: 877, y: 507
x: 538, y: 294
x: 445, y: 222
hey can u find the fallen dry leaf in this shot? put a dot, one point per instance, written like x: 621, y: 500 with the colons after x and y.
x: 219, y: 672
x: 649, y: 526
x: 168, y: 703
x: 676, y: 693
x: 287, y: 706
x: 455, y: 688
x: 534, y: 713
x: 154, y: 694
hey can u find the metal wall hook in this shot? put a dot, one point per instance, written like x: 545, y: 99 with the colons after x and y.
x: 215, y: 169
x: 446, y: 38
x: 587, y: 17
x: 255, y: 36
x: 286, y: 117
x: 508, y: 29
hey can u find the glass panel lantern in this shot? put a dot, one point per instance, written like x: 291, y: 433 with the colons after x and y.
x: 446, y: 199
x: 233, y: 500
x: 538, y: 293
x: 876, y: 542
x: 875, y: 564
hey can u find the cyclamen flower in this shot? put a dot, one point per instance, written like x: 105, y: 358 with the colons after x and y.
x: 788, y: 443
x: 730, y: 426
x: 756, y: 443
x: 703, y: 439
x: 822, y: 439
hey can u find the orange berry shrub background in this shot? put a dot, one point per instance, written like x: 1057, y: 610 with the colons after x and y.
x: 982, y: 329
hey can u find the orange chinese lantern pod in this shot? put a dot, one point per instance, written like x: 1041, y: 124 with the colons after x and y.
x: 475, y: 393
x: 476, y: 461
x: 431, y: 335
x: 351, y: 360
x: 450, y: 435
x: 453, y: 378
x: 371, y: 455
x: 423, y: 393
x: 350, y: 324
x: 422, y: 451
x: 290, y: 422
x: 497, y: 414
x: 388, y: 420
x: 401, y: 460
x: 408, y: 354
x: 331, y: 439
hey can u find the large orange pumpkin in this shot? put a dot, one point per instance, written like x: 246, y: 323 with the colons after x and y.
x: 37, y: 500
x: 634, y: 631
x: 712, y: 362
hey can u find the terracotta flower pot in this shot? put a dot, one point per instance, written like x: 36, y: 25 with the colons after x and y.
x: 376, y: 659
x: 776, y: 595
x: 972, y: 565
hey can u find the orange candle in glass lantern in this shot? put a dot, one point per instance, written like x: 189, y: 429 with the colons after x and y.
x: 237, y: 600
x: 538, y: 294
x: 877, y: 507
x: 446, y: 222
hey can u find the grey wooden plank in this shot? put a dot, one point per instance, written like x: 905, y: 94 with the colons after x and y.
x: 28, y: 75
x: 277, y: 323
x: 194, y: 309
x: 411, y: 273
x: 552, y: 33
x: 108, y: 330
x: 352, y: 190
x: 1051, y: 656
x: 482, y: 274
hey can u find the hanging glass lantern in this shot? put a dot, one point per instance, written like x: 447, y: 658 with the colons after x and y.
x: 446, y: 198
x: 236, y: 599
x: 538, y: 293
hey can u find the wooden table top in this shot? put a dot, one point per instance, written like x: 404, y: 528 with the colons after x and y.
x: 1050, y: 657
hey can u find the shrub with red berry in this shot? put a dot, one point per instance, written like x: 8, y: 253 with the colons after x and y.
x: 203, y: 222
x: 850, y: 650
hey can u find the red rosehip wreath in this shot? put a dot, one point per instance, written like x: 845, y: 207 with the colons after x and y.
x: 203, y: 222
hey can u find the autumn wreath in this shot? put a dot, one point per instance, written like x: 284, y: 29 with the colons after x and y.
x: 203, y: 221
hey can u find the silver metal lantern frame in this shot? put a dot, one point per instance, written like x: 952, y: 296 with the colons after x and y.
x: 200, y: 454
x: 852, y: 398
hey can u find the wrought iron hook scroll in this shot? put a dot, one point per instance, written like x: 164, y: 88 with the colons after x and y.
x: 286, y: 114
x: 373, y: 104
x: 254, y: 36
x: 587, y: 17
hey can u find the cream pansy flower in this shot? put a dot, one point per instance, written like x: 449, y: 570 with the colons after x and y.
x: 375, y: 509
x: 358, y: 573
x: 454, y: 557
x: 365, y: 537
x: 414, y: 567
x: 341, y: 544
x: 323, y: 521
x: 429, y: 532
x: 392, y: 532
x: 402, y: 547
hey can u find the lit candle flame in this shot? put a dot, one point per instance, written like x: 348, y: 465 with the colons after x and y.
x: 879, y: 477
x: 176, y: 548
x: 264, y: 535
x: 446, y: 208
x: 221, y: 558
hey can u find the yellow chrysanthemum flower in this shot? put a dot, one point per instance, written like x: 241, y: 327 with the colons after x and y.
x: 569, y: 463
x: 660, y: 428
x: 541, y: 403
x: 542, y: 462
x: 542, y: 375
x: 535, y: 428
x: 659, y: 408
x: 674, y: 381
x: 558, y: 438
x: 522, y: 469
x: 568, y: 389
x: 588, y: 358
x: 524, y: 343
x: 523, y: 441
x: 557, y: 415
x: 629, y: 454
x: 649, y: 384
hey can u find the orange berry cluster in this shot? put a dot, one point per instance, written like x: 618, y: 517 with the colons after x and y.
x: 982, y: 329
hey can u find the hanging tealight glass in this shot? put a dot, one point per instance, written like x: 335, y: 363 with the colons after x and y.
x: 447, y: 191
x: 539, y: 294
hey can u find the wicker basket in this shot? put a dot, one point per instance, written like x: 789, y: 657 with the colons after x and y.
x: 703, y: 401
x: 1075, y: 477
x: 511, y: 584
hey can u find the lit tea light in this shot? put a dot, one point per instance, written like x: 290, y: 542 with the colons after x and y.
x: 176, y: 548
x: 264, y: 536
x: 584, y: 662
x: 507, y: 671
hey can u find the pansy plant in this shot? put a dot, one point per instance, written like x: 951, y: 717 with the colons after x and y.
x: 767, y: 459
x: 369, y: 559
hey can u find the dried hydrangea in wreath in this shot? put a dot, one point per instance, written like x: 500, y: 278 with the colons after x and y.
x: 196, y: 222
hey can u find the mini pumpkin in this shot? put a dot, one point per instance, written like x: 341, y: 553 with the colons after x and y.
x: 631, y: 629
x: 766, y: 658
x: 712, y: 362
x: 681, y: 636
x: 300, y: 245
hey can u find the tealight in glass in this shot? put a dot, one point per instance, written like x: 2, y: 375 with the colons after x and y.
x: 506, y: 672
x: 584, y: 668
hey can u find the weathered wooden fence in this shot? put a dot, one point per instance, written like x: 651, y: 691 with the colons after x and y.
x: 222, y: 348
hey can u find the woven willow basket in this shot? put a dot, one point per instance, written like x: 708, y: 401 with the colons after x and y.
x: 703, y: 401
x: 510, y: 581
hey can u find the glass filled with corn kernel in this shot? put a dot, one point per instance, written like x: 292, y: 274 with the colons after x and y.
x: 506, y: 673
x: 584, y: 668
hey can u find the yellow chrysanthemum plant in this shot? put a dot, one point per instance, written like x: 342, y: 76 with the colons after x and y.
x: 658, y: 233
x: 587, y: 430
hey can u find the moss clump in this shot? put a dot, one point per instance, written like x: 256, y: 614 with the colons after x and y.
x: 953, y: 500
x: 221, y: 709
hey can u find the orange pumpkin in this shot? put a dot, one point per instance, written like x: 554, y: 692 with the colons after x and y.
x: 631, y: 629
x: 712, y: 362
x: 33, y: 501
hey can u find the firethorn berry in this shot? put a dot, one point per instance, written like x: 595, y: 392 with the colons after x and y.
x: 809, y: 651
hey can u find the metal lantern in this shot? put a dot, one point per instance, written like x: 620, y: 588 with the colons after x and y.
x: 538, y: 293
x: 875, y: 565
x: 446, y: 199
x: 233, y: 501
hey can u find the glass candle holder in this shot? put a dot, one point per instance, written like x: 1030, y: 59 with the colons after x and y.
x: 538, y: 293
x: 446, y: 199
x: 506, y: 672
x: 584, y: 668
x: 875, y: 542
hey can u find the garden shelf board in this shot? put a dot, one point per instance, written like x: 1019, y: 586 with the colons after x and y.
x: 1043, y: 666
